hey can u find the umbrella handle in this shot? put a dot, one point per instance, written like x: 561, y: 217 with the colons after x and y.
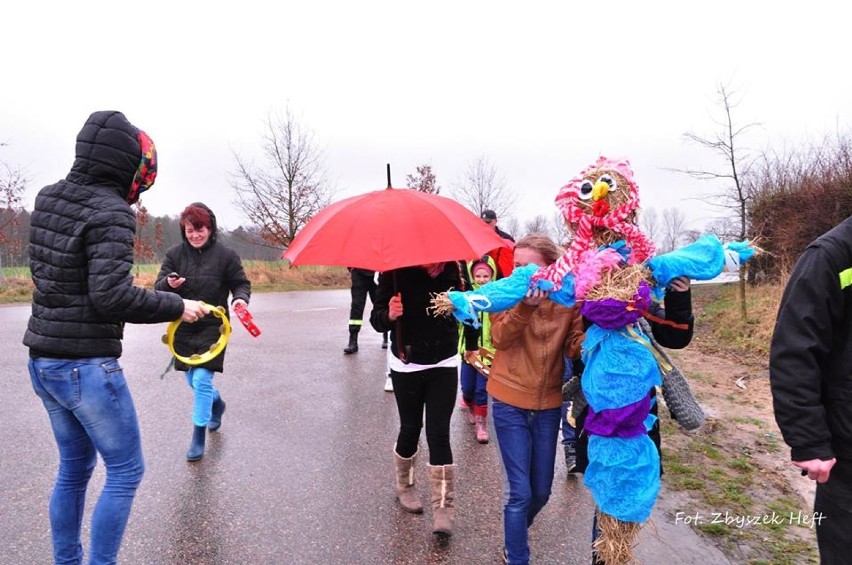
x: 402, y: 351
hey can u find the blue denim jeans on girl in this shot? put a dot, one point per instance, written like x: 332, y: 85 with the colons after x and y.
x: 527, y: 441
x: 200, y: 380
x: 91, y: 411
x: 473, y: 385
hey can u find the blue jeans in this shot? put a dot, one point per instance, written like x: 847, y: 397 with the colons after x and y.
x: 200, y: 380
x: 473, y: 385
x: 91, y: 412
x: 527, y: 441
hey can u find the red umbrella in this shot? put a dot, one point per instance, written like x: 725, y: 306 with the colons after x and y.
x: 392, y: 228
x: 389, y: 229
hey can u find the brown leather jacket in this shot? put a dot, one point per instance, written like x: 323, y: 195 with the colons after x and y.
x: 530, y: 343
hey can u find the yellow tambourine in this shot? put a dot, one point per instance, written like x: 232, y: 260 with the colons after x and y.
x: 215, y: 349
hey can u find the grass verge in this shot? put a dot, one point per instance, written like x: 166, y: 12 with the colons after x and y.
x: 266, y: 276
x: 729, y: 466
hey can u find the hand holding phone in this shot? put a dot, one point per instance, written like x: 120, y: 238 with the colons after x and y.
x: 174, y: 280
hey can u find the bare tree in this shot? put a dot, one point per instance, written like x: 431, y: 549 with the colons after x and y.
x: 12, y: 186
x: 564, y: 234
x: 674, y: 222
x: 482, y: 188
x: 143, y: 245
x: 291, y: 189
x: 649, y: 222
x: 510, y: 225
x: 424, y: 180
x: 690, y: 236
x: 735, y: 197
x: 539, y: 224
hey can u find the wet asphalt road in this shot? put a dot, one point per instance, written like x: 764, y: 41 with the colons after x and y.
x: 300, y: 472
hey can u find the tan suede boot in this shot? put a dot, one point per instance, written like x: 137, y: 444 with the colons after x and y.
x: 442, y: 485
x: 408, y: 497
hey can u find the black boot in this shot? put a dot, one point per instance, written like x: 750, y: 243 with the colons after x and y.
x: 196, y: 446
x: 384, y: 340
x: 353, y: 341
x: 216, y: 415
x: 571, y: 458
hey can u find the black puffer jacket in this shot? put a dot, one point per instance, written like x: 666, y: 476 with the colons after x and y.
x: 212, y: 272
x: 430, y: 338
x: 81, y: 250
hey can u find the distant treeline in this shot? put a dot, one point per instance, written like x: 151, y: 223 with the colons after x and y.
x: 155, y: 235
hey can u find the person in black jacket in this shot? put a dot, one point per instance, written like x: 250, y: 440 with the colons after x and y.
x: 203, y: 269
x: 81, y: 255
x: 424, y: 364
x: 810, y: 374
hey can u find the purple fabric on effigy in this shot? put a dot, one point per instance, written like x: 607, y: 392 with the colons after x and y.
x: 625, y: 422
x: 611, y: 314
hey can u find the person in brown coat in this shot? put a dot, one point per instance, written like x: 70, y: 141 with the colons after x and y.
x: 531, y: 343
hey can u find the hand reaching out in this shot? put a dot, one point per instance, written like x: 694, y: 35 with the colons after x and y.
x: 193, y: 309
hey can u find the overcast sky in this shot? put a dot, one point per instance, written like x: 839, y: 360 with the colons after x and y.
x: 539, y: 88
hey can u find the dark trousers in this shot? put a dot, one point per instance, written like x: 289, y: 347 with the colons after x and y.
x: 833, y: 515
x: 362, y: 286
x: 435, y: 391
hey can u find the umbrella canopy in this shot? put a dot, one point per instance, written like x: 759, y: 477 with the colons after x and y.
x: 390, y: 229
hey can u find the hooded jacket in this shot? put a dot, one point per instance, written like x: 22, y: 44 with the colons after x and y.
x: 471, y: 339
x: 81, y: 247
x: 212, y: 272
x: 810, y: 359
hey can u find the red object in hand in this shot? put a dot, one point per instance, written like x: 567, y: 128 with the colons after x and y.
x: 245, y: 318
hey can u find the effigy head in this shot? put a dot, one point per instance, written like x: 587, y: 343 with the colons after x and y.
x: 604, y: 192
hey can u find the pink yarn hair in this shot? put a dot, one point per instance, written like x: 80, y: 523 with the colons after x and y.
x: 590, y: 267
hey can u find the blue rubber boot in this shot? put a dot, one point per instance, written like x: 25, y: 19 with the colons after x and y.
x: 216, y: 414
x: 196, y: 446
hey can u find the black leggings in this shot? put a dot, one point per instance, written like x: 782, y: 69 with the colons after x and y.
x: 436, y: 390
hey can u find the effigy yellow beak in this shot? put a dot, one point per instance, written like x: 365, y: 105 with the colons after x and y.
x: 600, y: 190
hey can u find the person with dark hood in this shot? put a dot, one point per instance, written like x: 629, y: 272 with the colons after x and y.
x: 81, y: 255
x: 202, y: 268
